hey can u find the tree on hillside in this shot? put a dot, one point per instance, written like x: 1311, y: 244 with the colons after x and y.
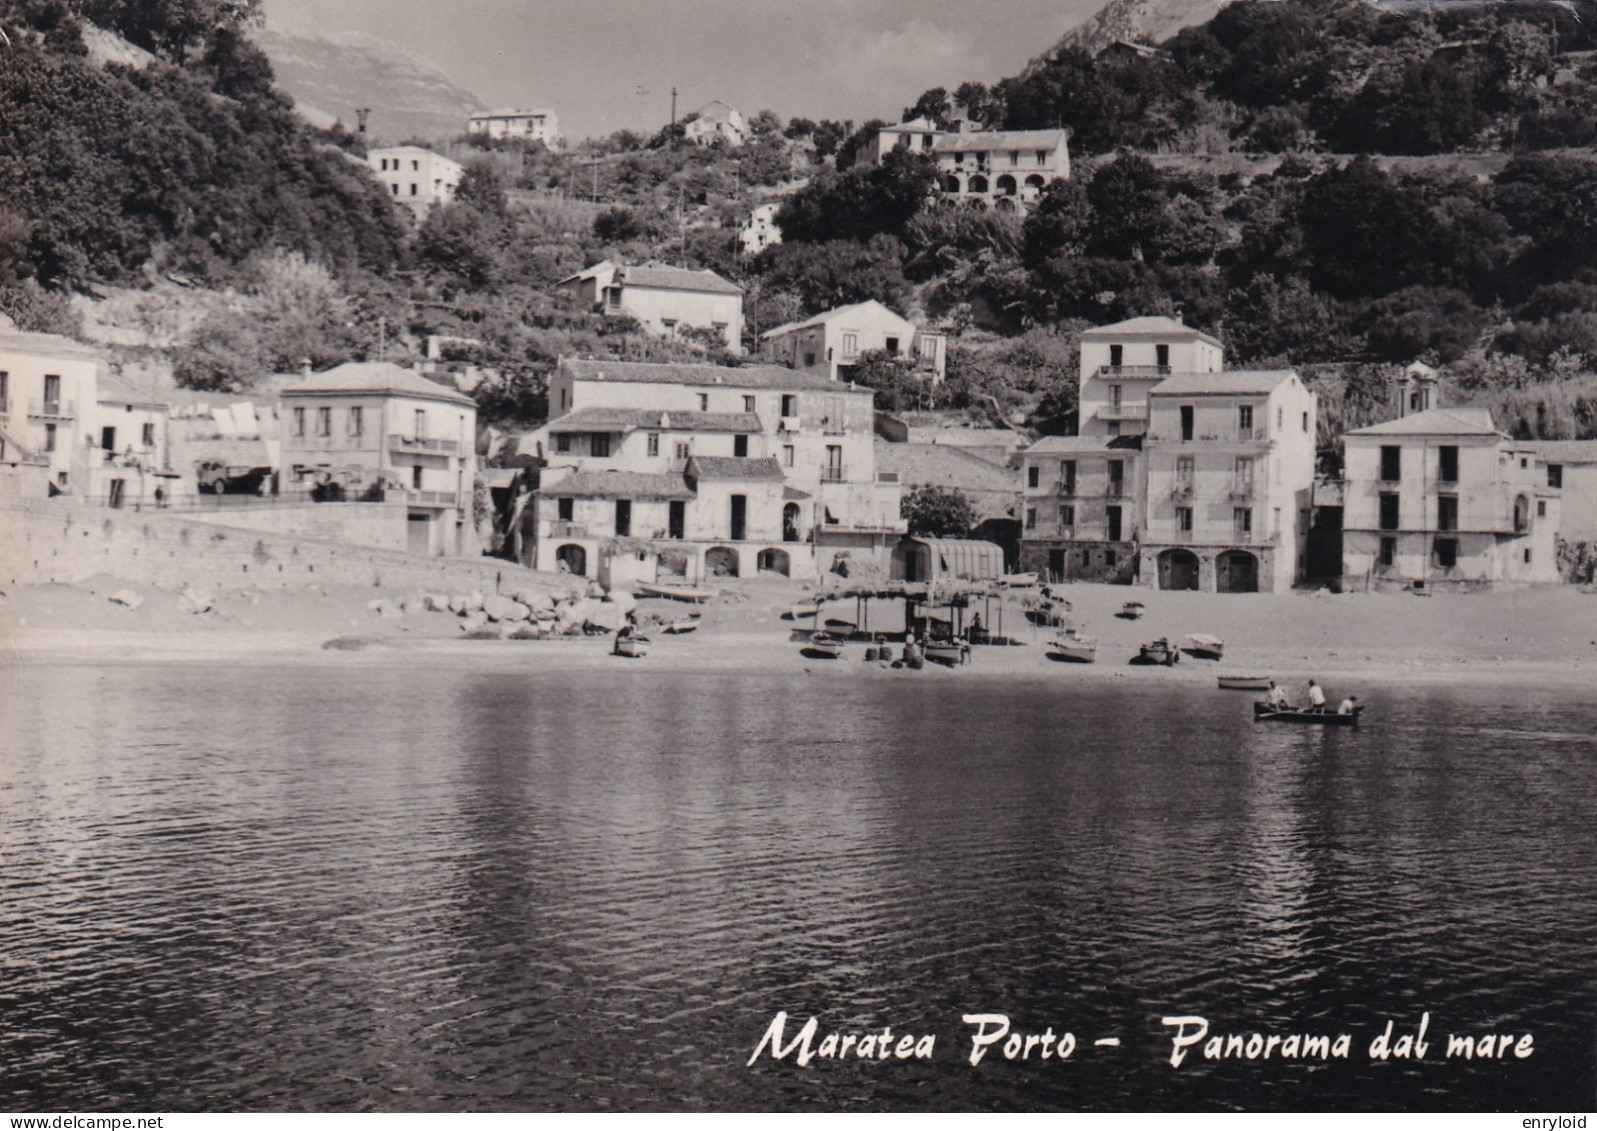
x: 825, y: 275
x: 898, y: 387
x: 935, y: 106
x: 170, y: 28
x: 938, y: 512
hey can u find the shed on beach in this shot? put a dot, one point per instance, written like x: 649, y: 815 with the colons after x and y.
x: 947, y: 559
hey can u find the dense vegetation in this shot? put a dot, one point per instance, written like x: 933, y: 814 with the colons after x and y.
x: 1295, y: 246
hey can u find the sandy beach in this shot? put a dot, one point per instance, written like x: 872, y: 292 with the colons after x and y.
x: 1527, y: 637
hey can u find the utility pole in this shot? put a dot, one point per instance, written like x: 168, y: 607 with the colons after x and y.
x: 673, y: 106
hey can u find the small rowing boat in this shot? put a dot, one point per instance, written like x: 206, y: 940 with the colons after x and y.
x: 1205, y: 647
x: 1020, y: 580
x: 1131, y: 610
x: 1159, y: 651
x: 683, y: 627
x: 950, y: 652
x: 824, y: 646
x: 633, y: 647
x: 1244, y: 683
x: 1264, y: 713
x: 1070, y: 647
x: 675, y: 592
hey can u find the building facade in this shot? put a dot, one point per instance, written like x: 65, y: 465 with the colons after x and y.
x: 416, y: 178
x: 761, y: 231
x: 1121, y: 362
x: 372, y: 431
x: 716, y: 121
x: 1081, y: 500
x: 691, y: 472
x: 48, y: 406
x: 831, y: 343
x: 1440, y: 498
x: 530, y: 125
x: 665, y: 300
x: 131, y: 462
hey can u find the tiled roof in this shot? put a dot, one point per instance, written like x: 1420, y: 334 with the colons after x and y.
x: 660, y: 276
x: 375, y: 377
x: 618, y: 485
x: 1435, y: 422
x: 1231, y: 381
x: 632, y: 419
x: 1154, y: 325
x: 739, y: 377
x: 835, y: 314
x: 1562, y: 451
x: 1065, y: 445
x: 983, y: 141
x: 942, y: 465
x: 45, y: 343
x: 727, y: 467
x: 113, y: 390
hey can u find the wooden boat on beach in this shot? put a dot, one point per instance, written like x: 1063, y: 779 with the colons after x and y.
x: 1019, y: 580
x: 804, y: 610
x: 694, y: 593
x: 950, y: 652
x: 1159, y: 651
x: 683, y: 626
x: 1132, y: 610
x: 1264, y: 713
x: 634, y: 647
x: 1244, y: 683
x: 823, y: 645
x: 1205, y: 647
x: 1070, y: 647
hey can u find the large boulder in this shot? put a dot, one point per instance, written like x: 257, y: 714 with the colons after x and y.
x: 127, y: 597
x: 460, y: 604
x: 594, y: 590
x: 475, y: 600
x: 622, y: 600
x: 196, y: 601
x: 606, y: 616
x: 504, y: 609
x: 538, y: 601
x: 473, y: 620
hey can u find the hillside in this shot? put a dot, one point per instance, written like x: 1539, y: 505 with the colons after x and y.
x: 1137, y: 21
x: 332, y: 75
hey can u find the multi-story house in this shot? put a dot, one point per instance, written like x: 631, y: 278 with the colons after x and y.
x: 416, y: 178
x: 531, y: 125
x: 693, y: 471
x: 1440, y: 498
x: 48, y: 394
x: 1081, y: 500
x: 761, y: 231
x: 1121, y: 362
x: 1230, y: 472
x: 918, y: 135
x: 1005, y: 170
x: 1570, y: 467
x: 716, y: 121
x: 129, y: 433
x: 831, y: 343
x: 373, y: 430
x: 665, y: 300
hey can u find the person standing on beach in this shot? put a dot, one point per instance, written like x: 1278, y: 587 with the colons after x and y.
x: 1316, y: 697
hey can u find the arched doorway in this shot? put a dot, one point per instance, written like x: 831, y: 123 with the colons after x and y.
x: 1178, y: 569
x: 774, y: 561
x: 978, y: 183
x: 1004, y: 204
x: 1236, y: 571
x: 721, y: 561
x: 950, y: 183
x: 790, y: 522
x: 1006, y: 185
x: 573, y: 559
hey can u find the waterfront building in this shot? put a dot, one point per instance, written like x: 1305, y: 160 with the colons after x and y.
x: 1570, y: 468
x: 48, y: 397
x: 665, y: 300
x: 129, y: 432
x: 1081, y: 506
x: 1121, y: 362
x: 529, y: 125
x: 374, y: 431
x: 415, y: 177
x: 1441, y: 498
x: 832, y: 342
x: 688, y: 472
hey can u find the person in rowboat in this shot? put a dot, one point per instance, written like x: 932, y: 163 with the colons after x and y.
x: 1276, y: 698
x: 1316, y: 697
x: 1348, y: 705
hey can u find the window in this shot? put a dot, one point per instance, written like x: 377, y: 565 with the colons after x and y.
x: 415, y: 166
x: 108, y: 439
x: 1067, y: 516
x: 1244, y: 476
x: 1184, y: 467
x: 1184, y: 519
x: 421, y: 424
x: 1389, y: 510
x: 684, y: 449
x: 1115, y: 393
x: 299, y: 422
x: 1388, y: 550
x: 1446, y: 553
x: 5, y: 388
x: 787, y: 455
x: 789, y: 404
x: 1117, y: 478
x: 1555, y: 471
x: 395, y: 189
x: 892, y: 346
x: 1305, y: 423
x: 1033, y: 476
x: 1245, y: 420
x: 704, y: 402
x: 1067, y: 473
x: 1014, y: 157
x: 850, y: 344
x: 1242, y: 523
x: 415, y: 477
x: 1447, y: 512
x: 1117, y: 356
x: 324, y: 421
x: 654, y: 443
x: 565, y: 508
x: 1447, y: 463
x: 623, y: 518
x: 1110, y: 558
x: 669, y: 325
x: 52, y: 392
x: 1031, y: 518
x: 1042, y: 157
x: 413, y: 188
x: 1187, y: 414
x: 354, y: 425
x: 49, y: 437
x: 1391, y: 463
x: 1527, y: 555
x: 834, y: 463
x: 149, y: 435
x: 599, y: 445
x: 1541, y: 504
x: 809, y: 359
x: 720, y: 331
x: 748, y: 404
x: 740, y: 446
x: 1161, y: 356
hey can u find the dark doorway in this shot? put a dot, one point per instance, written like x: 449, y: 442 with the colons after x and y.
x: 1112, y: 514
x: 1056, y: 565
x: 573, y: 560
x: 623, y: 518
x: 790, y: 523
x: 740, y: 507
x: 1236, y: 571
x: 418, y: 535
x: 1178, y: 569
x: 677, y: 522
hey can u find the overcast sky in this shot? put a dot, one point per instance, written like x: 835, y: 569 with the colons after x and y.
x: 604, y: 65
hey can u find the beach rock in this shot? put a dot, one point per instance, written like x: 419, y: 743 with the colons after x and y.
x: 606, y: 616
x: 473, y: 620
x: 127, y: 597
x: 622, y: 600
x: 539, y: 602
x: 504, y: 609
x: 460, y: 603
x: 474, y: 602
x: 594, y: 590
x: 196, y: 601
x: 436, y: 602
x: 413, y: 605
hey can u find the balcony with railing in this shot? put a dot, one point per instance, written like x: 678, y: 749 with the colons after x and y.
x: 1181, y: 489
x: 567, y: 530
x: 1123, y: 412
x: 53, y: 410
x: 1133, y: 371
x: 430, y: 498
x: 832, y: 473
x: 1242, y: 488
x: 422, y: 444
x: 1234, y: 436
x: 1068, y: 489
x: 1115, y: 491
